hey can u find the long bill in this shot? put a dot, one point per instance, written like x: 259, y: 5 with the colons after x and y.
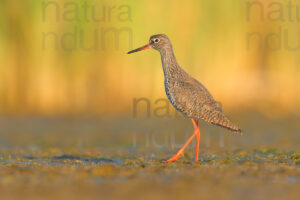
x: 148, y: 46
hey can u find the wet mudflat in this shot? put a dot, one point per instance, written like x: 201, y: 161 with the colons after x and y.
x: 88, y: 158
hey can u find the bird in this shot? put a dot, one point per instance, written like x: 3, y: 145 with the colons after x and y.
x: 186, y: 94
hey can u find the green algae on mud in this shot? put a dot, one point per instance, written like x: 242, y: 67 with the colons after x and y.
x: 92, y: 173
x: 87, y: 159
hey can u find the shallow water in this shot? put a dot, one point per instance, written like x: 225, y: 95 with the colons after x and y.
x: 93, y: 158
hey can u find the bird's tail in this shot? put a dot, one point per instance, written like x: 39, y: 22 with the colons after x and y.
x: 225, y: 122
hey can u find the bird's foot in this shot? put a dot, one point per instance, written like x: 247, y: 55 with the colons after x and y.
x: 175, y: 157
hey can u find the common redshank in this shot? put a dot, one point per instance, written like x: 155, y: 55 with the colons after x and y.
x: 186, y: 94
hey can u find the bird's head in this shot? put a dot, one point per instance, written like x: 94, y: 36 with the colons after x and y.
x: 158, y: 42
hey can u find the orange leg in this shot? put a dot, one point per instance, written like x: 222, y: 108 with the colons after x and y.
x: 197, y: 142
x: 180, y: 152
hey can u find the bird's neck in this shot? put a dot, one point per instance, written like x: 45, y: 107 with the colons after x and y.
x: 169, y: 62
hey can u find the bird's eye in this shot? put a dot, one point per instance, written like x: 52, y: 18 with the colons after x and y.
x: 156, y: 40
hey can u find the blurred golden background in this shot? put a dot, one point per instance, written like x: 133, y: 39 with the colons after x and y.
x: 68, y: 128
x: 69, y: 57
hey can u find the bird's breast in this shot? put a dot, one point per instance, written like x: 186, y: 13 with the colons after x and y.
x: 168, y: 89
x: 170, y: 92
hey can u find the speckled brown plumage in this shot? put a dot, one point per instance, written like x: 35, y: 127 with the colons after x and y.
x: 185, y: 93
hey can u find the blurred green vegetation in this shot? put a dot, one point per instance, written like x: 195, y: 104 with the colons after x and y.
x: 48, y: 75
